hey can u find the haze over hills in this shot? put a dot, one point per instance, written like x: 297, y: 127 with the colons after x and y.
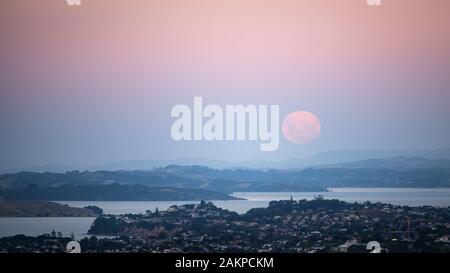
x: 324, y: 158
x: 176, y: 182
x: 394, y: 163
x: 334, y: 157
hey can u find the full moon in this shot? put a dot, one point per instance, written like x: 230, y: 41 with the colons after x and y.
x: 301, y: 127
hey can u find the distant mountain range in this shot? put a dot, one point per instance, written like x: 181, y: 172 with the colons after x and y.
x: 394, y: 163
x: 334, y: 157
x: 324, y: 158
x: 176, y: 182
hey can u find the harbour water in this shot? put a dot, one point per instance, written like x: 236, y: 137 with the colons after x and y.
x: 34, y: 226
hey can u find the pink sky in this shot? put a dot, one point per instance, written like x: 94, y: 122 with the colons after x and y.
x: 367, y: 72
x: 242, y: 39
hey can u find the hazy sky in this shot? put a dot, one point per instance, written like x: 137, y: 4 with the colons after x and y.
x: 95, y: 84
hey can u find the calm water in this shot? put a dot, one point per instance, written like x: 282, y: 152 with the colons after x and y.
x: 34, y: 226
x: 80, y: 225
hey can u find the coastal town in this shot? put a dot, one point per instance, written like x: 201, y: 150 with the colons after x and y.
x: 288, y: 226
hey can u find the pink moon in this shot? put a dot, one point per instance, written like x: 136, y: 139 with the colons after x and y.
x: 301, y: 127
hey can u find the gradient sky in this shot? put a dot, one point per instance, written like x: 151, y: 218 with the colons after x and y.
x: 95, y: 84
